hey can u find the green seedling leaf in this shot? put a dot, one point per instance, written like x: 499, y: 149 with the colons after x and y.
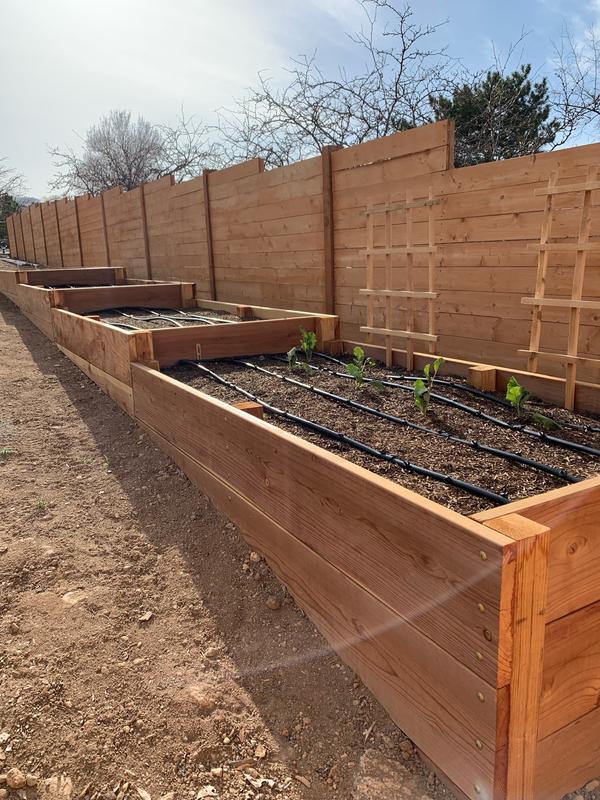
x: 516, y: 394
x: 308, y: 342
x: 437, y: 365
x: 359, y: 354
x: 356, y: 371
x: 546, y: 422
x: 292, y: 357
x: 427, y: 371
x: 421, y: 394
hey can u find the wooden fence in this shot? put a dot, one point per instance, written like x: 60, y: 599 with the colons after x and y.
x: 295, y: 237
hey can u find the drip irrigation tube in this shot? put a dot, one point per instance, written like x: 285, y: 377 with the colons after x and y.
x: 472, y: 443
x: 187, y: 315
x: 123, y: 325
x: 176, y: 320
x: 330, y: 433
x: 500, y: 401
x: 513, y: 426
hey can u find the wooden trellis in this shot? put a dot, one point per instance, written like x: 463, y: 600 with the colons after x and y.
x: 409, y: 294
x: 575, y: 303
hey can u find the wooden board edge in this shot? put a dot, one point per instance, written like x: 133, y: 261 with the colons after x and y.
x: 524, y: 591
x: 228, y: 501
x: 119, y: 392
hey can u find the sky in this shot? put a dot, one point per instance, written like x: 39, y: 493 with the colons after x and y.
x: 66, y: 63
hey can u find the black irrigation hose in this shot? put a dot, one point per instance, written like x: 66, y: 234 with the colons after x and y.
x: 123, y: 325
x: 513, y: 426
x: 478, y: 491
x: 187, y: 315
x: 176, y: 320
x: 473, y: 443
x: 500, y: 401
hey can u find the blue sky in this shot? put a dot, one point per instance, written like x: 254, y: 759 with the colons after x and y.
x: 66, y: 63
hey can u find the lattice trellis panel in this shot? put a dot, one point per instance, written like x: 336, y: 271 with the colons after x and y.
x: 407, y: 253
x: 575, y: 304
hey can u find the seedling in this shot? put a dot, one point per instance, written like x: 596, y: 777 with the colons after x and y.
x: 292, y: 357
x: 518, y: 396
x: 308, y: 343
x: 422, y: 387
x: 6, y: 453
x: 40, y: 506
x: 360, y: 366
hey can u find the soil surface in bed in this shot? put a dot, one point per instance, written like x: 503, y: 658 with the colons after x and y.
x: 166, y: 317
x: 496, y: 474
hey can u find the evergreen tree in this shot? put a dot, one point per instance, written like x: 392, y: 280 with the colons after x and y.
x: 8, y: 206
x: 501, y: 116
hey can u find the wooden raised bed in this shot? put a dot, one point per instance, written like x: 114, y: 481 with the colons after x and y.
x: 106, y: 353
x: 107, y: 287
x: 480, y: 636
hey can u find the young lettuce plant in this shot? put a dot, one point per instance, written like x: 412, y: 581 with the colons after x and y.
x: 518, y: 396
x: 422, y: 388
x: 308, y: 343
x: 360, y: 366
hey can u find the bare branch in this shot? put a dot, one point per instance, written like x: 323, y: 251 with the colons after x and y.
x: 121, y: 151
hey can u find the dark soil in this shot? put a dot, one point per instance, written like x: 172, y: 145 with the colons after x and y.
x: 148, y: 320
x: 491, y: 472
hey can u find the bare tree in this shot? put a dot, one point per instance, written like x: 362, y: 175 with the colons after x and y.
x: 390, y: 93
x: 10, y: 180
x: 122, y: 151
x: 577, y: 81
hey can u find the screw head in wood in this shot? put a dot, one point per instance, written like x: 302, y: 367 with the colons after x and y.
x: 476, y: 788
x: 483, y: 555
x: 479, y: 655
x: 479, y: 744
x: 481, y: 607
x: 480, y: 697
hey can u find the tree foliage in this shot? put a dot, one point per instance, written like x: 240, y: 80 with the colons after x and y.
x: 8, y: 206
x: 123, y: 151
x: 497, y: 117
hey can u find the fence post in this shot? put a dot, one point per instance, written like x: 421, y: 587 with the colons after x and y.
x: 328, y: 244
x: 78, y: 232
x: 60, y: 250
x: 12, y: 241
x: 41, y: 207
x: 209, y: 243
x: 35, y: 258
x: 105, y: 229
x: 145, y: 232
x: 22, y: 257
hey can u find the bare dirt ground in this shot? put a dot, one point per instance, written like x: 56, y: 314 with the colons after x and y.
x: 138, y: 654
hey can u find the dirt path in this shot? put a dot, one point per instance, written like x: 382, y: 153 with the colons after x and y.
x: 137, y: 646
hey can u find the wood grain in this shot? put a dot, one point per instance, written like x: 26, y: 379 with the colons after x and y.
x: 431, y: 696
x: 423, y: 561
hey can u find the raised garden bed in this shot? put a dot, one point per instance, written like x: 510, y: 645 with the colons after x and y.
x: 87, y: 289
x: 479, y: 634
x: 475, y: 457
x: 444, y: 617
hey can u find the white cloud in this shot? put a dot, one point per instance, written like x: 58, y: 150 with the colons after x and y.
x: 67, y: 62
